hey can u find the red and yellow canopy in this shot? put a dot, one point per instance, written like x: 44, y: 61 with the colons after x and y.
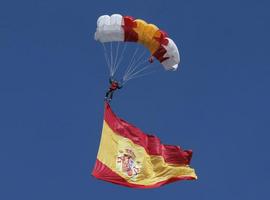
x: 118, y: 28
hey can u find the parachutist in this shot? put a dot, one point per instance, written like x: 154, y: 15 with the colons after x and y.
x: 114, y: 85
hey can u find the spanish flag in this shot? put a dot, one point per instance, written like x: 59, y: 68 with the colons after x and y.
x: 129, y: 157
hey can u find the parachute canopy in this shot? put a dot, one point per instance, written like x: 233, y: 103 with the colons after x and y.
x: 118, y: 28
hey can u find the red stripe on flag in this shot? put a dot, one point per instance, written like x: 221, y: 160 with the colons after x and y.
x: 101, y: 171
x: 152, y: 145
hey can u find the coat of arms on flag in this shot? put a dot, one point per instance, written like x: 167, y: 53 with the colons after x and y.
x: 126, y: 163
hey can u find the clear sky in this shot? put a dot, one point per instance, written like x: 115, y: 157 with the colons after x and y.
x: 53, y: 79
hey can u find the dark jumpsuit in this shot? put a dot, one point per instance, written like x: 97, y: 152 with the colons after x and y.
x: 114, y: 85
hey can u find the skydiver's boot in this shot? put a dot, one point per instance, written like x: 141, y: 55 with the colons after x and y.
x: 110, y: 96
x: 106, y: 96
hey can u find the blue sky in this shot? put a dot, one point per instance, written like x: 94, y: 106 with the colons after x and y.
x: 53, y: 79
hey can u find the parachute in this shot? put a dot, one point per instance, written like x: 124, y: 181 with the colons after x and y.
x: 128, y: 156
x: 118, y: 28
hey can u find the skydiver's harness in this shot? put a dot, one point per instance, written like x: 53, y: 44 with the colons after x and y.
x: 114, y: 86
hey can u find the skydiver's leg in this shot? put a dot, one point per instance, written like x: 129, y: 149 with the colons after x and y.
x: 111, y: 95
x: 108, y: 93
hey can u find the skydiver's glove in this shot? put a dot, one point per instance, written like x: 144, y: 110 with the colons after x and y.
x: 151, y: 59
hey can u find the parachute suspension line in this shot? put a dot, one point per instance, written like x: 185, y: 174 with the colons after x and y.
x: 120, y: 58
x: 139, y: 73
x: 131, y: 61
x: 107, y: 58
x: 121, y: 55
x: 111, y: 66
x: 135, y: 63
x: 138, y: 65
x: 145, y: 67
x: 138, y: 76
x: 116, y: 57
